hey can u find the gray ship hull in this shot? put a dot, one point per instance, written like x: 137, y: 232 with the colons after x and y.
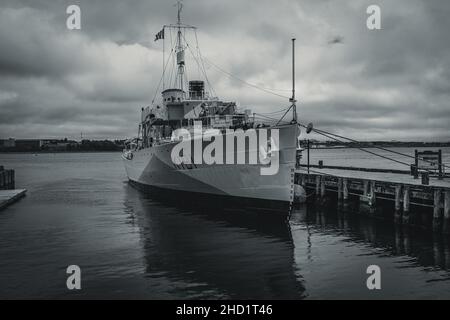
x: 153, y: 167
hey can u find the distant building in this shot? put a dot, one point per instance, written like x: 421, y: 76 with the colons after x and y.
x: 59, y: 145
x: 7, y: 143
x: 21, y: 144
x: 28, y: 144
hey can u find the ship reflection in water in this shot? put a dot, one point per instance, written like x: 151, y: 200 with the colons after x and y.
x: 334, y: 249
x: 217, y: 251
x: 319, y: 253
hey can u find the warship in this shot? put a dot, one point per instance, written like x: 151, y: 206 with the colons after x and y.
x: 191, y: 142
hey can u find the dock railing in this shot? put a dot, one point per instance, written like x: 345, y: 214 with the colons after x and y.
x: 429, y: 162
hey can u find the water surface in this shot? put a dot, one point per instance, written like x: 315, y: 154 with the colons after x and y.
x: 80, y: 210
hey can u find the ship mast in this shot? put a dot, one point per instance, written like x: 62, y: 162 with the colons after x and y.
x: 177, y: 52
x: 179, y: 48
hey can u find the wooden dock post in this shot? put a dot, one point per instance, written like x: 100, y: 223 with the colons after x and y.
x: 416, y: 164
x: 13, y: 179
x: 398, y: 194
x: 380, y: 186
x: 447, y: 205
x: 365, y: 188
x: 345, y: 187
x: 406, y: 204
x: 339, y: 188
x: 371, y: 195
x: 317, y: 185
x: 365, y: 192
x: 437, y: 205
x: 322, y: 186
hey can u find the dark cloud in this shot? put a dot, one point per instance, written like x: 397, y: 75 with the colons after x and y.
x: 386, y: 84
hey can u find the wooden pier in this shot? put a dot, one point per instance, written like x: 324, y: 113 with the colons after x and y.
x: 8, y: 197
x: 8, y: 193
x: 402, y: 192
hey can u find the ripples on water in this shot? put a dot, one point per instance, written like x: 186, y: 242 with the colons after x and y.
x: 80, y: 210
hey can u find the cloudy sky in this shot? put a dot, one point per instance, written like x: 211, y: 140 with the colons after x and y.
x: 387, y: 84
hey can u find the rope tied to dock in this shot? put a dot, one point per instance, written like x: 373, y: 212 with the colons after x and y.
x: 333, y: 137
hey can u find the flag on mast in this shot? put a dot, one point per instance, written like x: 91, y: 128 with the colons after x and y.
x: 159, y: 35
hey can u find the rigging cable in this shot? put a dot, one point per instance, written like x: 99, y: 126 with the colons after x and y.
x: 274, y: 112
x: 266, y: 118
x: 202, y: 59
x: 203, y: 65
x: 198, y: 63
x: 284, y: 115
x: 160, y: 80
x: 245, y: 82
x: 375, y: 147
x: 371, y: 152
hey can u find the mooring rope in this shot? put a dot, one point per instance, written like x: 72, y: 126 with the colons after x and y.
x: 333, y: 135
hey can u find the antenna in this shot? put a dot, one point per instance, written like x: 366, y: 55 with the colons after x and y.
x: 179, y: 4
x: 292, y: 99
x: 294, y: 107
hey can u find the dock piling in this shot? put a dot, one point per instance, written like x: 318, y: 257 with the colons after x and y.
x: 339, y: 189
x: 13, y: 179
x: 437, y: 205
x: 322, y: 186
x: 317, y: 185
x: 372, y: 197
x: 406, y: 205
x: 378, y: 187
x: 398, y: 193
x: 447, y: 205
x: 366, y: 188
x: 345, y: 187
